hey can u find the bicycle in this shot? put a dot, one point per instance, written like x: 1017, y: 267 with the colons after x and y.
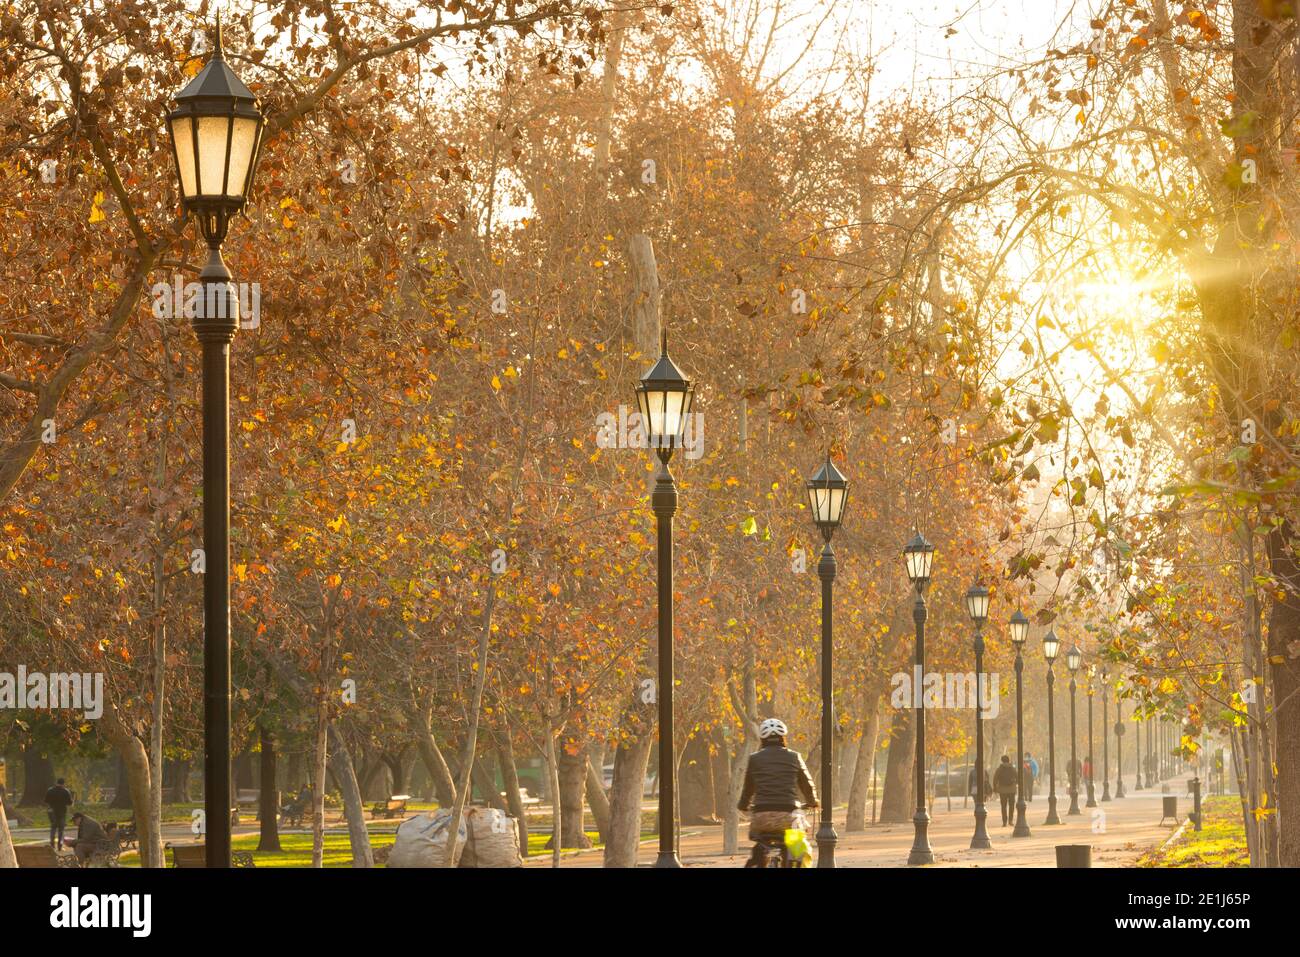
x: 775, y: 850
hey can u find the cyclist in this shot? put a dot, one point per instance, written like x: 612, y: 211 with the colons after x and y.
x: 775, y: 779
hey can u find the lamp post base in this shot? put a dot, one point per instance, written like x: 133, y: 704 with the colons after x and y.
x: 1074, y: 803
x: 1092, y: 796
x: 1119, y: 788
x: 826, y: 841
x: 667, y: 859
x: 921, y: 852
x: 1105, y: 791
x: 1052, y: 816
x: 980, y: 841
x: 1022, y: 826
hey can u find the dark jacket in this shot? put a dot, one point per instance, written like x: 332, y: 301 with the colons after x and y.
x: 1004, y: 779
x: 90, y: 831
x: 59, y: 799
x: 774, y: 779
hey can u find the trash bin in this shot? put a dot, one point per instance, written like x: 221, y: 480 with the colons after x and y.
x: 1074, y: 855
x: 1169, y: 808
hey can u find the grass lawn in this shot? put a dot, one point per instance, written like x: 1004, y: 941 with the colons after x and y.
x: 1221, y: 842
x: 296, y: 849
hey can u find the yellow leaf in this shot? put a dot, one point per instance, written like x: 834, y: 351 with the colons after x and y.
x: 496, y: 383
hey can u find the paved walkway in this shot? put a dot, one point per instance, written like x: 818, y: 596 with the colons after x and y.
x: 1119, y: 831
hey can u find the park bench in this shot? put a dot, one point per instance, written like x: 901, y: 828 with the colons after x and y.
x: 394, y: 807
x: 42, y: 855
x: 195, y: 855
x: 105, y: 853
x: 292, y: 814
x: 126, y: 832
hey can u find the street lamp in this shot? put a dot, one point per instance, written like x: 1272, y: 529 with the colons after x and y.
x: 216, y: 137
x: 1092, y: 761
x: 1072, y: 661
x: 1137, y: 744
x: 1151, y: 756
x: 977, y: 606
x: 1019, y: 633
x: 1051, y: 645
x: 919, y: 555
x: 1119, y: 743
x: 828, y: 491
x: 664, y: 397
x: 1105, y: 735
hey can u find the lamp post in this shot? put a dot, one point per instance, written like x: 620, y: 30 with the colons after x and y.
x: 1105, y: 735
x: 1072, y: 661
x: 1020, y: 632
x: 828, y: 491
x: 1051, y: 644
x: 216, y: 138
x: 977, y: 606
x: 1119, y: 743
x: 1150, y: 756
x: 919, y: 555
x: 1092, y: 767
x: 664, y: 397
x: 1137, y: 743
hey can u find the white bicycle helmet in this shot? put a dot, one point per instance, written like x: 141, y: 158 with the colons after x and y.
x: 772, y: 728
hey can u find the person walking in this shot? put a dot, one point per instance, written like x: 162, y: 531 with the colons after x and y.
x: 1031, y: 775
x: 1004, y: 782
x: 58, y: 799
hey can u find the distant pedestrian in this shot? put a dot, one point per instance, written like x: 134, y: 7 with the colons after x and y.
x: 1004, y: 781
x: 58, y: 799
x: 1031, y: 775
x: 1073, y: 769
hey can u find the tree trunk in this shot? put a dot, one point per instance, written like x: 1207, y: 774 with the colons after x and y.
x: 695, y: 782
x: 293, y: 779
x: 179, y: 791
x: 471, y: 739
x: 397, y: 769
x: 486, y: 782
x: 1284, y: 656
x: 645, y: 294
x: 135, y: 760
x: 269, y: 797
x: 510, y: 775
x: 856, y: 815
x: 431, y: 756
x: 319, y: 758
x: 745, y: 703
x: 556, y: 843
x: 571, y: 772
x: 38, y: 777
x: 340, y: 761
x: 636, y: 736
x: 7, y: 856
x: 597, y: 799
x: 898, y: 801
